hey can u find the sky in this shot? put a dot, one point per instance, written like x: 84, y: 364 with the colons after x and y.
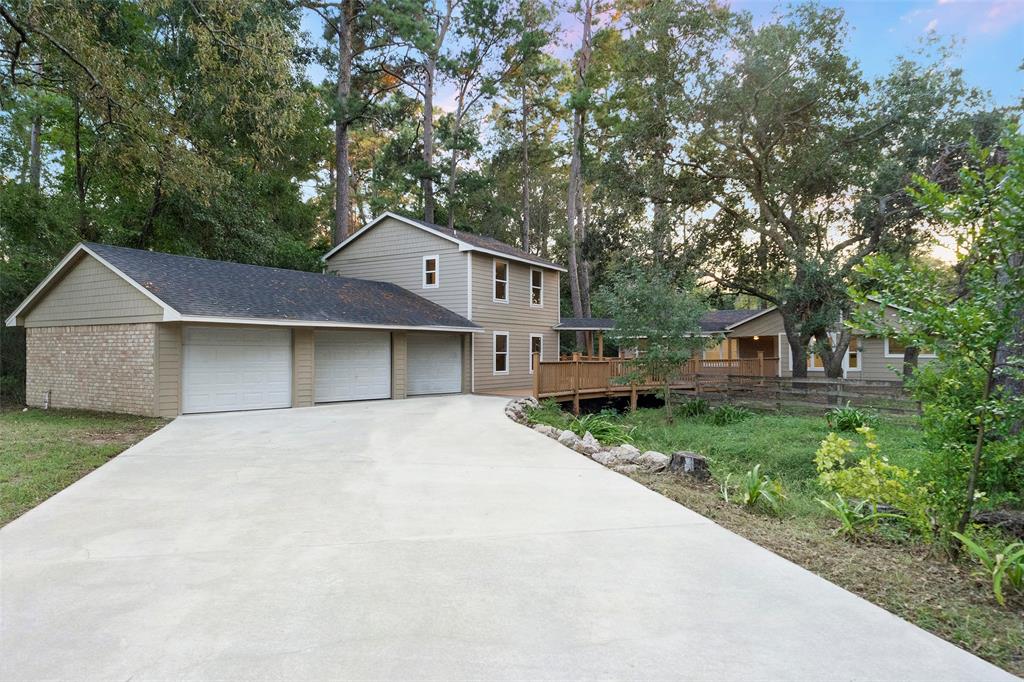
x: 990, y: 34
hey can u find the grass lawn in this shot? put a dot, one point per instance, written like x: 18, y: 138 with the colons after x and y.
x: 44, y: 451
x: 906, y: 577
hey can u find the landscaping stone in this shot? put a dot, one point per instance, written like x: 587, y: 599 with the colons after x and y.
x: 652, y: 460
x: 626, y: 468
x: 549, y: 431
x: 589, y: 445
x: 517, y: 409
x: 568, y: 439
x: 689, y: 463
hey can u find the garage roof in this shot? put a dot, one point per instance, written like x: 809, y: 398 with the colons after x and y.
x: 201, y: 290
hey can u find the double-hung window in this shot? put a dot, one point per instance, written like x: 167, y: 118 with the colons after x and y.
x: 536, y: 288
x: 501, y: 352
x: 500, y: 281
x: 536, y: 348
x: 431, y: 272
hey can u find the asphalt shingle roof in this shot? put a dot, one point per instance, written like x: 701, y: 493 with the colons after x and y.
x: 712, y: 321
x: 212, y: 288
x: 486, y: 243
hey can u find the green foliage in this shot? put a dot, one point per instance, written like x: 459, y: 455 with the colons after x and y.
x: 695, y: 407
x: 1002, y: 565
x: 602, y: 427
x: 723, y: 415
x: 849, y: 418
x: 872, y: 478
x: 549, y: 412
x: 756, y: 490
x: 854, y: 519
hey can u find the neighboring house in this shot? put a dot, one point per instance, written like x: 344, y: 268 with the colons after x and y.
x: 405, y: 308
x: 748, y: 332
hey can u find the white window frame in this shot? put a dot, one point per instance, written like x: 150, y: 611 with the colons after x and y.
x: 494, y: 281
x: 885, y: 351
x: 530, y: 349
x: 860, y: 356
x: 494, y: 353
x: 541, y: 304
x: 437, y: 271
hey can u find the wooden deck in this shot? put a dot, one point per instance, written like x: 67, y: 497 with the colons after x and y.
x: 590, y: 377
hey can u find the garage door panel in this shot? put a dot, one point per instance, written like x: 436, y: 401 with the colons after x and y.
x: 236, y: 369
x: 434, y: 364
x: 352, y: 365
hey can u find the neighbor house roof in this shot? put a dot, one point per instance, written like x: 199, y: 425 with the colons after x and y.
x: 201, y: 290
x: 467, y: 241
x: 585, y: 324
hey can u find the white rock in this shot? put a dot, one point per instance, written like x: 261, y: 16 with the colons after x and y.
x: 549, y: 431
x: 589, y: 439
x: 626, y: 468
x: 624, y: 454
x: 586, y: 448
x: 630, y: 448
x: 568, y: 438
x: 652, y: 460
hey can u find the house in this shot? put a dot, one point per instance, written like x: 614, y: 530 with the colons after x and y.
x: 404, y: 308
x: 750, y: 332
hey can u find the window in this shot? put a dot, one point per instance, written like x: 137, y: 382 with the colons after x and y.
x: 536, y: 347
x: 430, y: 272
x: 500, y: 281
x: 536, y: 288
x: 853, y: 354
x: 501, y: 352
x: 895, y: 349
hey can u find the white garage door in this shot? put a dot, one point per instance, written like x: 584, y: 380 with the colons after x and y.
x: 435, y: 364
x: 352, y: 365
x: 236, y: 369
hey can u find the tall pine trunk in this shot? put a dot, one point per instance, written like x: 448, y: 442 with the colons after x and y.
x: 342, y: 193
x: 35, y: 163
x: 427, y: 180
x: 574, y: 199
x: 525, y: 169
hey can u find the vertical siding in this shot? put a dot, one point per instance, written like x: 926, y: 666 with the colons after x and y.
x: 302, y: 367
x: 393, y: 252
x: 467, y: 363
x: 168, y: 354
x: 517, y: 318
x: 92, y: 294
x: 399, y: 365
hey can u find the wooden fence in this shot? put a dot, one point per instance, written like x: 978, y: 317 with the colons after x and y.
x: 813, y: 394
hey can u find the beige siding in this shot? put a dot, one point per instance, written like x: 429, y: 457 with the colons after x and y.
x: 517, y: 318
x: 393, y: 252
x: 302, y: 367
x: 92, y: 294
x: 467, y: 363
x: 109, y: 368
x: 399, y: 365
x: 768, y: 324
x: 168, y: 369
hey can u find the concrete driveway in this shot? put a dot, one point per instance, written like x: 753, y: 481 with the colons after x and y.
x: 427, y: 538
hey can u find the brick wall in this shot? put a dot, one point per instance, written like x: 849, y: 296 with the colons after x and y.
x: 101, y: 367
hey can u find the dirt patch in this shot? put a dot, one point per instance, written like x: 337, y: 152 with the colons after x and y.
x: 906, y: 578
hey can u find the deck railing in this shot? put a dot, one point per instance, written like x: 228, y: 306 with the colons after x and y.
x: 587, y: 376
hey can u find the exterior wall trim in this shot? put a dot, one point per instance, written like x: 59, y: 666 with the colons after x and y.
x: 321, y: 323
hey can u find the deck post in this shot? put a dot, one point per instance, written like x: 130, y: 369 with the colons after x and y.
x: 632, y: 397
x: 576, y: 383
x: 600, y: 345
x: 535, y: 361
x: 760, y: 363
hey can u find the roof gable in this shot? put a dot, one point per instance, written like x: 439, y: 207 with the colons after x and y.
x: 466, y: 241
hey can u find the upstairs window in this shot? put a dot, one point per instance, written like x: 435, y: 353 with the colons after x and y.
x: 430, y: 272
x: 500, y: 281
x: 536, y: 287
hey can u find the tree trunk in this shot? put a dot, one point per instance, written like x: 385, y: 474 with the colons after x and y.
x: 427, y: 181
x: 1012, y: 347
x: 525, y: 170
x: 35, y: 163
x: 581, y: 217
x: 454, y: 165
x: 797, y: 347
x: 910, y: 355
x: 84, y: 228
x: 832, y: 360
x: 979, y: 444
x: 342, y: 193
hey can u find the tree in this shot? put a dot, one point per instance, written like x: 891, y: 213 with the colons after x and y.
x: 972, y: 400
x: 807, y: 163
x: 647, y: 304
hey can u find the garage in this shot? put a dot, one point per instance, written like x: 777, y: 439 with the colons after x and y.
x: 434, y: 364
x: 236, y: 369
x: 352, y: 365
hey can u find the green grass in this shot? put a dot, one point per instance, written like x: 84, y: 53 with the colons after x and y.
x: 43, y: 452
x: 784, y: 445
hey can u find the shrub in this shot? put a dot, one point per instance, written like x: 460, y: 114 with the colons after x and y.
x: 757, y: 490
x: 1005, y: 565
x: 872, y: 479
x: 849, y: 418
x: 549, y: 412
x: 602, y: 427
x: 697, y: 407
x: 728, y: 414
x: 854, y: 518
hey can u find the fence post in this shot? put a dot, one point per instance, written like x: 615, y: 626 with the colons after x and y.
x: 535, y: 360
